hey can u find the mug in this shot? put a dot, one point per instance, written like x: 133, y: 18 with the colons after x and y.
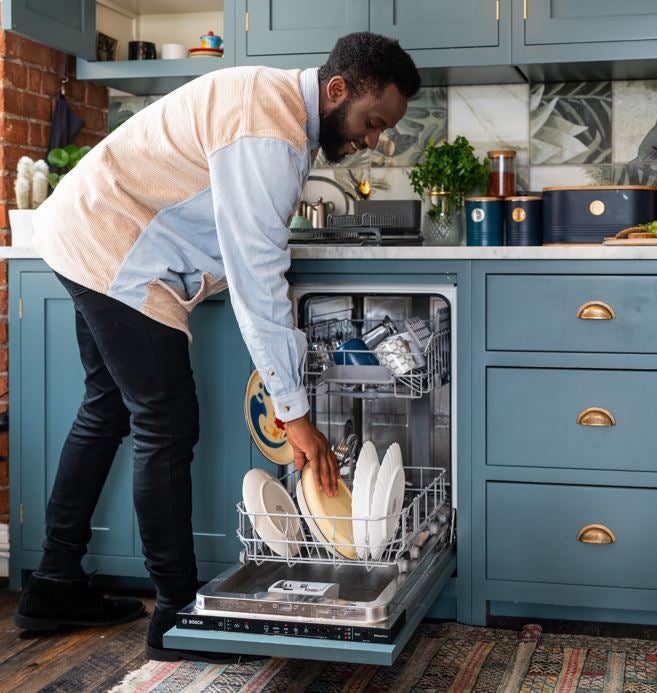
x: 395, y: 354
x: 173, y: 51
x: 354, y: 352
x: 141, y: 50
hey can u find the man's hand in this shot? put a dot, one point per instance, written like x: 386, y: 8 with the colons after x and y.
x: 309, y: 444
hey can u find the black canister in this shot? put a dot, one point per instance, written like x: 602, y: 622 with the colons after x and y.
x: 523, y: 219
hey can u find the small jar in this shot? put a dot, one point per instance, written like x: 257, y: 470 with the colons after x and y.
x: 502, y: 167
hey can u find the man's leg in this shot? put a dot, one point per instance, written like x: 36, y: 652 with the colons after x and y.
x: 58, y: 593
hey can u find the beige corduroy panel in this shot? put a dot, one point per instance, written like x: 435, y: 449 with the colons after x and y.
x: 87, y: 229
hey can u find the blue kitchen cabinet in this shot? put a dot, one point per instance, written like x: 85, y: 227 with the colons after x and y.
x: 450, y: 33
x: 582, y: 39
x: 67, y: 25
x: 294, y: 33
x: 46, y: 385
x: 564, y: 478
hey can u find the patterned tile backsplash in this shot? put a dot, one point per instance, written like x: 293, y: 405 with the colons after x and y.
x: 576, y: 133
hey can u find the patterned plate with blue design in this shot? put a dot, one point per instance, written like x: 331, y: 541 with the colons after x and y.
x: 267, y: 430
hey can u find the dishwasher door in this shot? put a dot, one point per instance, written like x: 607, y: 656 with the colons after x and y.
x: 236, y: 613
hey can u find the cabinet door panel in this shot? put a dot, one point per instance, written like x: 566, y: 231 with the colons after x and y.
x: 221, y: 367
x: 51, y: 382
x: 583, y: 21
x: 283, y: 27
x: 67, y: 25
x: 419, y: 24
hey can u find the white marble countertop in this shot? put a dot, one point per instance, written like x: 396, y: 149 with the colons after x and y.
x: 551, y: 252
x: 346, y: 252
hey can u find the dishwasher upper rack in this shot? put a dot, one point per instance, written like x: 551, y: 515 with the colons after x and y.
x: 422, y: 516
x: 322, y: 375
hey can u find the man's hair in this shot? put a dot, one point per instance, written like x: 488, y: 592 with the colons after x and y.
x: 369, y: 63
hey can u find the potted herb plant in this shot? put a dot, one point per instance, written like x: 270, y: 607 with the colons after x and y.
x: 64, y: 159
x: 446, y: 173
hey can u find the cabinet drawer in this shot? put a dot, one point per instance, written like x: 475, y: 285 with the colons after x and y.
x: 539, y: 313
x: 575, y: 418
x: 532, y: 534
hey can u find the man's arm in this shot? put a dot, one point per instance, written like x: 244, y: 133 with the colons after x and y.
x: 255, y: 184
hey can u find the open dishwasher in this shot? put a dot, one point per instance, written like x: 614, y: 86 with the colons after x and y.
x: 313, y: 595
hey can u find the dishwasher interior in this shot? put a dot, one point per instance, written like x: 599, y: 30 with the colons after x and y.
x: 335, y: 589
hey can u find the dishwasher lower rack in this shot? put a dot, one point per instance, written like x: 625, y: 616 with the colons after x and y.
x: 424, y: 515
x: 411, y: 372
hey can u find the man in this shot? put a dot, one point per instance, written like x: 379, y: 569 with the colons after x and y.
x: 188, y: 197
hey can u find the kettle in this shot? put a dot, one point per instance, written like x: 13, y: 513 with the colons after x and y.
x: 318, y: 212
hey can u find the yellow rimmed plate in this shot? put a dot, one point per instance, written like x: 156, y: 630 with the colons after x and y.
x: 267, y: 430
x: 331, y: 514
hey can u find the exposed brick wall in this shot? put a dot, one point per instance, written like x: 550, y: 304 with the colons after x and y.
x: 28, y: 88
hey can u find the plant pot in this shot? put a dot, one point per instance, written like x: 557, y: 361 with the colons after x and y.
x: 441, y: 224
x: 20, y: 221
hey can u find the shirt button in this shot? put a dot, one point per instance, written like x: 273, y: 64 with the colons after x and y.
x: 272, y: 372
x: 286, y: 408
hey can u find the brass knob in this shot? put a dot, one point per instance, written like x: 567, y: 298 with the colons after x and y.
x: 595, y: 310
x: 596, y: 416
x: 596, y: 534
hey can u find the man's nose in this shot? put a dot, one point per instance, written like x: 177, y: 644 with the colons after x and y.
x: 372, y: 139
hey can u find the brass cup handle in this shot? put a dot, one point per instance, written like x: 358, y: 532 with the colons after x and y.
x: 595, y: 310
x: 596, y: 416
x: 596, y: 534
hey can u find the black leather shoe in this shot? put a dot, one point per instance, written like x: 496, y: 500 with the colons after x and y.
x: 49, y: 603
x: 161, y: 622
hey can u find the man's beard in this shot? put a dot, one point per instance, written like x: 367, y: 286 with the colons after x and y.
x: 331, y: 132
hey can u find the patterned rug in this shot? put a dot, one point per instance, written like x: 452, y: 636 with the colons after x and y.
x: 440, y: 657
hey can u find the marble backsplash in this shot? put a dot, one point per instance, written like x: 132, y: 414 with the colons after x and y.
x: 586, y: 133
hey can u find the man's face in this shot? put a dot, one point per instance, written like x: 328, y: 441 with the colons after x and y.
x: 351, y: 123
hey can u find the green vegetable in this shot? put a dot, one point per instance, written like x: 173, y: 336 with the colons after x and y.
x: 651, y: 227
x: 453, y: 168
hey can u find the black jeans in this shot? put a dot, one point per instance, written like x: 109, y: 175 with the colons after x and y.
x: 138, y: 378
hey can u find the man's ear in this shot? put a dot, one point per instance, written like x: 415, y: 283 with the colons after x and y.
x: 337, y: 90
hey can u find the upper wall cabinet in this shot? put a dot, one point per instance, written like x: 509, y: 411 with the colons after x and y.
x: 599, y: 39
x: 308, y: 28
x: 67, y: 25
x: 449, y: 35
x: 452, y: 32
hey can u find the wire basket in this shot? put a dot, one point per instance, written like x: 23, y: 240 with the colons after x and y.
x: 421, y: 517
x: 397, y: 367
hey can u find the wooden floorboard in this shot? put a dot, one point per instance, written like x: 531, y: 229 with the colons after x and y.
x: 96, y: 659
x: 80, y: 659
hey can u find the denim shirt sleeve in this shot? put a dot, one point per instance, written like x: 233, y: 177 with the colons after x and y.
x: 256, y: 183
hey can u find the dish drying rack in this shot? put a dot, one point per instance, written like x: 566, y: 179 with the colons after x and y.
x: 358, y: 229
x: 322, y: 375
x: 422, y: 517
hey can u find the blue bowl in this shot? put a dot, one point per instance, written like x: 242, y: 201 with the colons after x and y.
x: 354, y: 352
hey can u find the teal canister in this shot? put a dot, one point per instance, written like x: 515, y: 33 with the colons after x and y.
x: 484, y: 220
x: 523, y: 219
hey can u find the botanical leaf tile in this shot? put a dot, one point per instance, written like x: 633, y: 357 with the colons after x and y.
x: 490, y: 117
x: 571, y: 123
x: 634, y: 121
x: 634, y: 174
x: 552, y: 176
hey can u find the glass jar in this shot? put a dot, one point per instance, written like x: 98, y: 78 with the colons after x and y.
x: 441, y: 223
x: 502, y: 167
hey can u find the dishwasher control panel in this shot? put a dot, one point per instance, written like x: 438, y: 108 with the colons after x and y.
x: 189, y: 619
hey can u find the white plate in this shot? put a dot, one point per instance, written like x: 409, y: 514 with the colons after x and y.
x: 367, y: 469
x: 312, y: 525
x: 266, y: 500
x: 387, y: 501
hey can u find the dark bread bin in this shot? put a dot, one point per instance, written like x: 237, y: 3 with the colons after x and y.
x: 591, y: 214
